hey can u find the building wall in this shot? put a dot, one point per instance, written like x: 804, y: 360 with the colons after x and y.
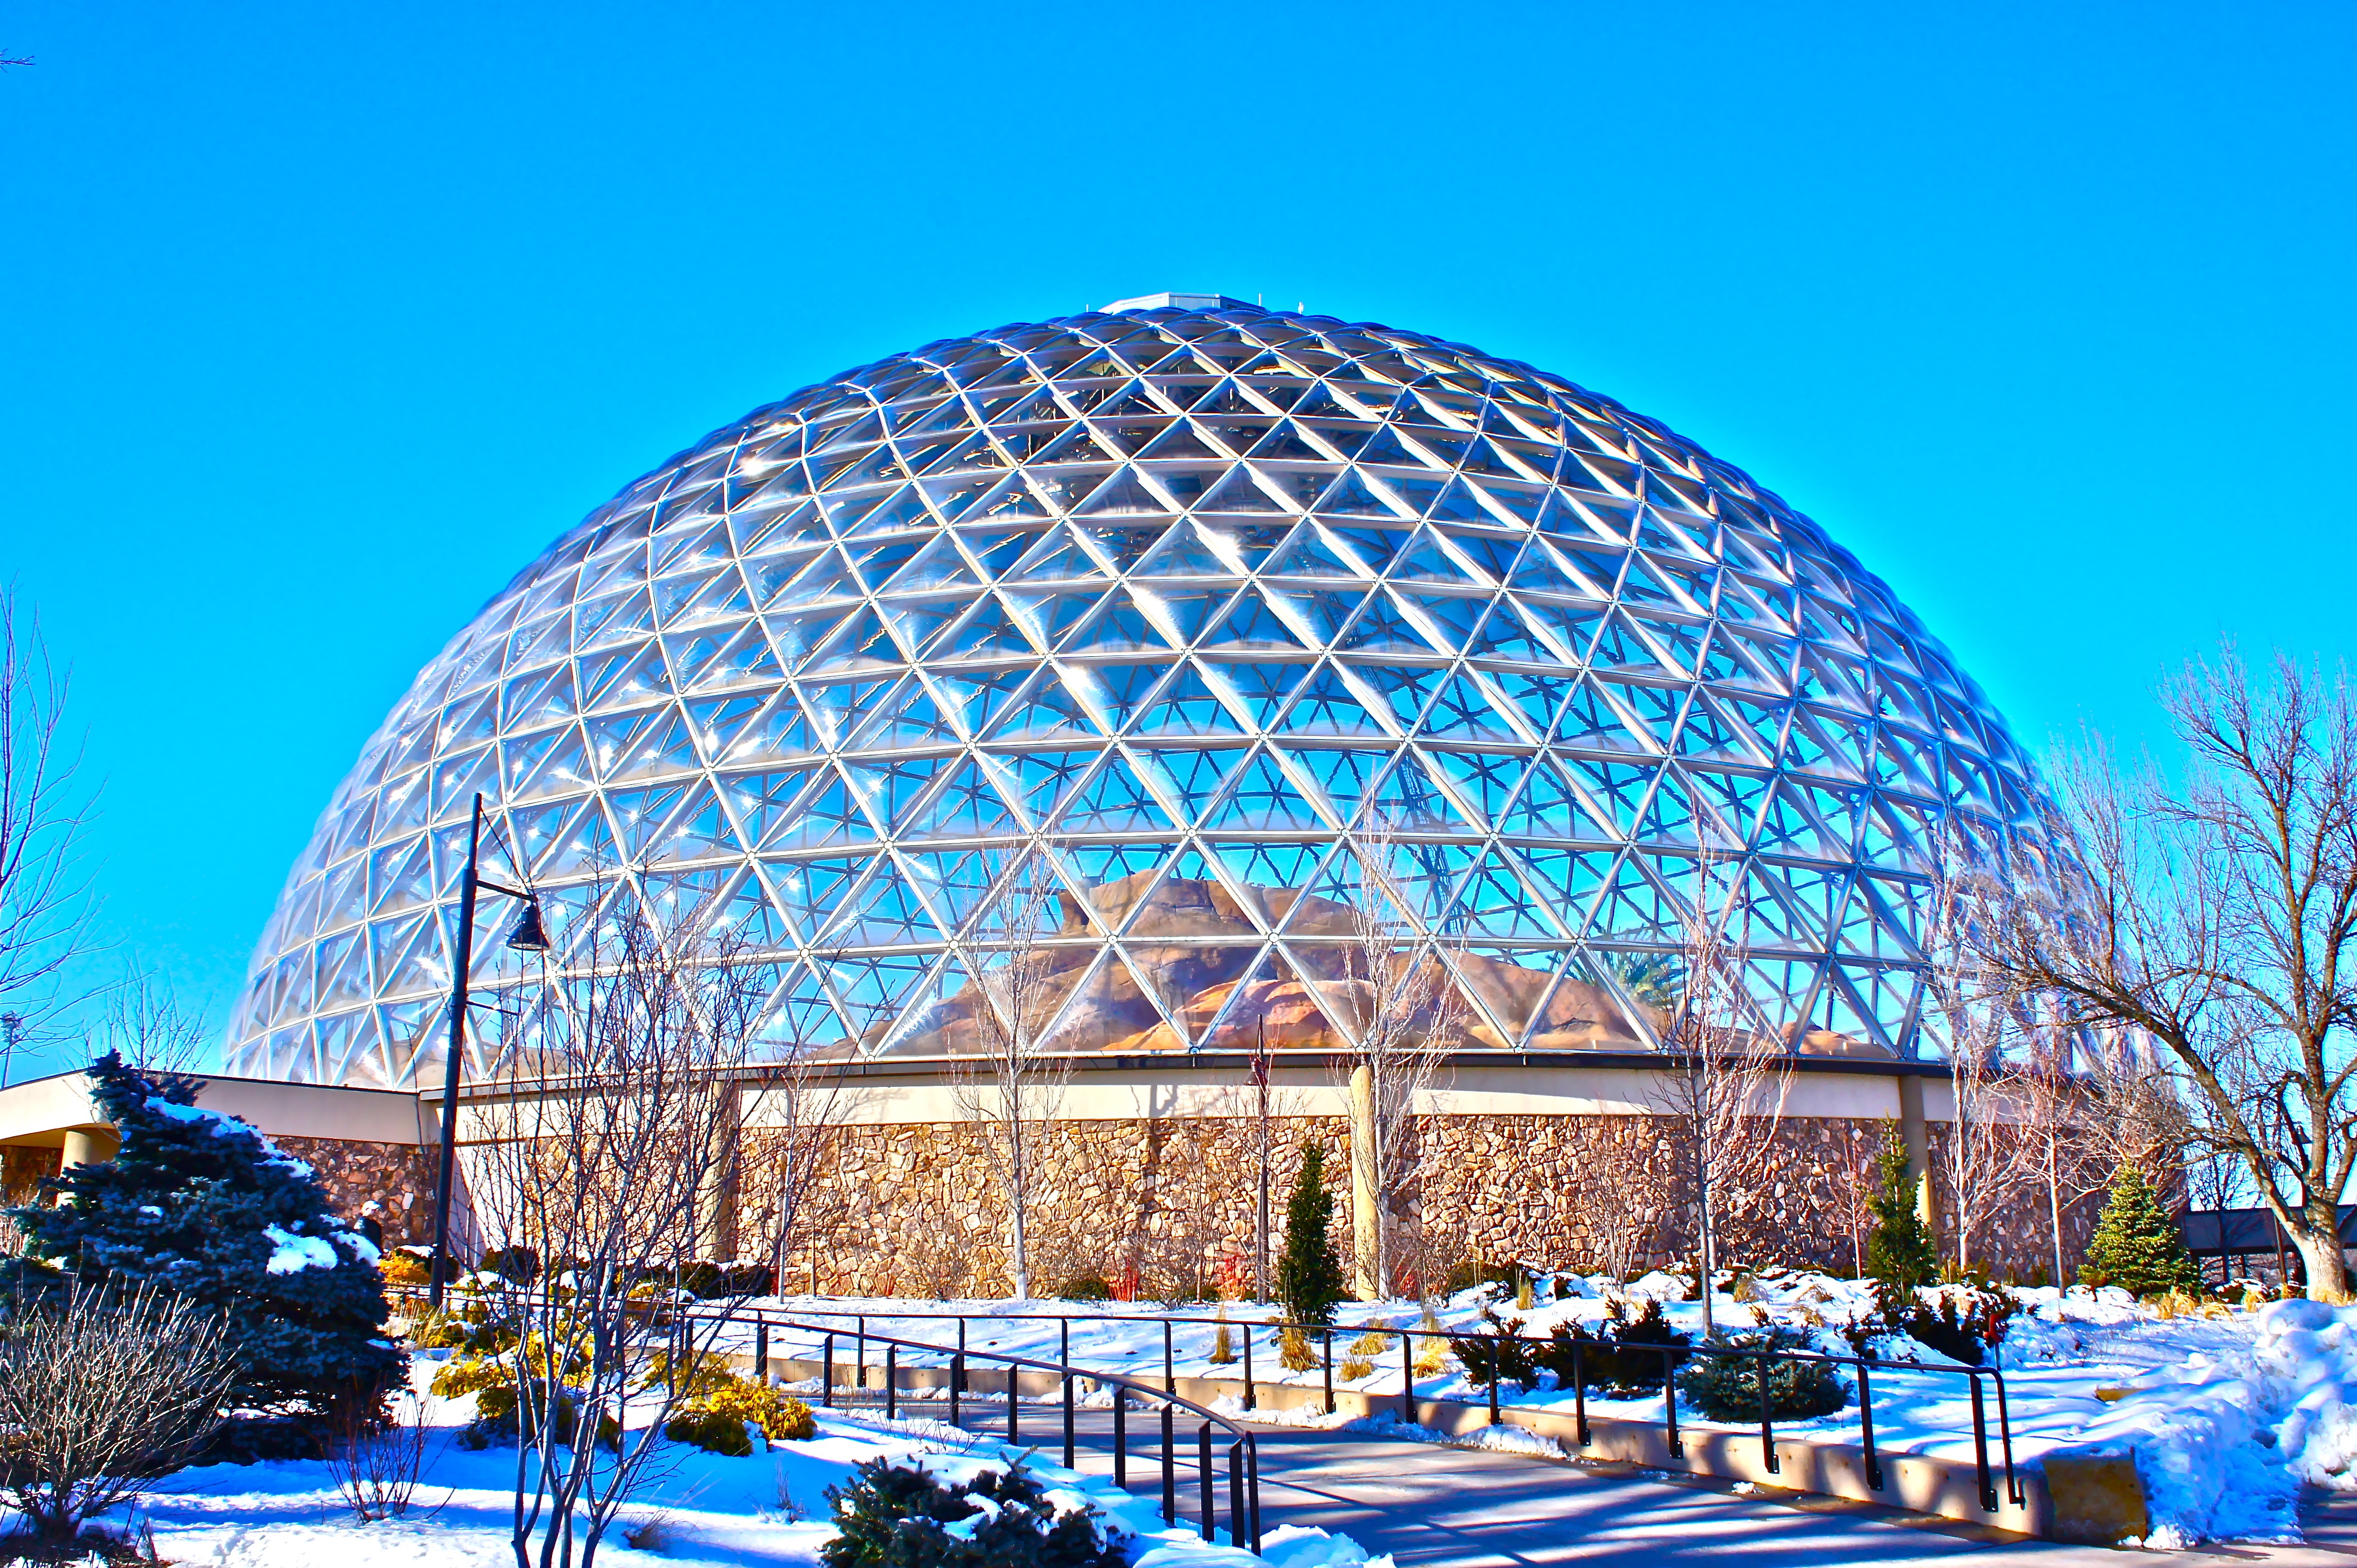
x: 1167, y: 1204
x: 398, y: 1176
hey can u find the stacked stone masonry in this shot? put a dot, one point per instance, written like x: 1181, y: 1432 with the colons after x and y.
x: 399, y: 1177
x: 1165, y: 1208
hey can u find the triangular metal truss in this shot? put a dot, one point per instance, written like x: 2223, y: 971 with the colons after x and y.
x: 1185, y: 599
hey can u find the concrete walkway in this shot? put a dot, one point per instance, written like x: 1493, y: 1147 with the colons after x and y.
x: 1431, y: 1506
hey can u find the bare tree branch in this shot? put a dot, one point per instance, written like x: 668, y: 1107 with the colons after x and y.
x: 46, y: 907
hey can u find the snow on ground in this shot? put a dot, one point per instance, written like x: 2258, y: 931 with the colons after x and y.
x: 698, y: 1508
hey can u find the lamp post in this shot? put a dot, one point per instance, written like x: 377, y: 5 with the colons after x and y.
x: 526, y: 936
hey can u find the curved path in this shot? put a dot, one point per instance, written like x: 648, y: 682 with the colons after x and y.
x: 1432, y: 1506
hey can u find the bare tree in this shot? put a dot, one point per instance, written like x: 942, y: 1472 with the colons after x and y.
x: 1400, y: 1005
x: 100, y: 1388
x: 1973, y: 1006
x: 2211, y: 926
x: 141, y: 1019
x: 44, y: 903
x: 1729, y: 1074
x: 603, y: 1169
x: 1009, y: 1089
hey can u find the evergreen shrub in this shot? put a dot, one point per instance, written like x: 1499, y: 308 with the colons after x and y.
x: 1726, y: 1388
x: 1090, y: 1286
x: 202, y: 1205
x: 2137, y: 1245
x: 1309, y: 1273
x: 895, y: 1516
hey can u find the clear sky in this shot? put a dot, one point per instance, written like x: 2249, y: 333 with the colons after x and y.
x: 318, y: 321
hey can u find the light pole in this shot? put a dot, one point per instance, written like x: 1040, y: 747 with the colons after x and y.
x: 525, y: 936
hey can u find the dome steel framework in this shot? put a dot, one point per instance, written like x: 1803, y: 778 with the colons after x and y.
x: 1189, y: 598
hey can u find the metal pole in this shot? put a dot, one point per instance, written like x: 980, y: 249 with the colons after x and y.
x: 1670, y: 1393
x: 1169, y: 1469
x: 826, y: 1376
x: 1329, y: 1371
x: 1068, y: 1415
x: 1170, y: 1364
x: 1252, y: 1399
x: 1236, y: 1515
x: 1579, y: 1391
x: 1497, y: 1360
x: 1866, y: 1425
x: 1252, y: 1454
x: 957, y: 1385
x: 1980, y: 1446
x: 761, y: 1349
x: 456, y: 1052
x: 1203, y: 1477
x: 1120, y: 1436
x: 1767, y: 1427
x: 891, y: 1382
x: 1407, y: 1378
x: 1013, y: 1407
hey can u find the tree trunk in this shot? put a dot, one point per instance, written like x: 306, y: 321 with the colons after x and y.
x: 2314, y: 1231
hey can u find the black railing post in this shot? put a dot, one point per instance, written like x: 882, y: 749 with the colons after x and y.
x: 761, y: 1349
x: 957, y: 1384
x: 1252, y: 1400
x: 891, y: 1382
x: 1497, y: 1360
x: 1252, y: 1455
x: 960, y: 1362
x: 1170, y: 1361
x: 1329, y: 1371
x: 859, y: 1363
x: 1069, y: 1380
x: 1980, y: 1445
x: 1407, y: 1378
x: 1767, y: 1423
x: 826, y: 1373
x: 1170, y: 1468
x: 1120, y: 1437
x: 1670, y: 1394
x: 1203, y: 1478
x: 2004, y: 1436
x: 1236, y: 1514
x: 1579, y: 1392
x: 1014, y: 1400
x: 1866, y: 1425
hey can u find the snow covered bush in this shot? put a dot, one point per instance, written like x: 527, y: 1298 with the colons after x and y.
x: 894, y: 1515
x: 1726, y: 1388
x: 101, y: 1386
x: 204, y: 1205
x: 1626, y: 1358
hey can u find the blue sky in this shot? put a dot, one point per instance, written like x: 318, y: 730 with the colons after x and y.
x: 321, y: 321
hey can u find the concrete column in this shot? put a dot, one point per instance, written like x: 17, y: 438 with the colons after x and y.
x: 1366, y: 1215
x: 1917, y: 1134
x: 715, y: 1203
x: 90, y: 1146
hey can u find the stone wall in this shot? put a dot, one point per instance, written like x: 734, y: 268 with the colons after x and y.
x: 1163, y: 1207
x: 398, y: 1176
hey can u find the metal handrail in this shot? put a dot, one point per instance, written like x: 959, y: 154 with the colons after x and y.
x: 1243, y: 1456
x: 1876, y: 1480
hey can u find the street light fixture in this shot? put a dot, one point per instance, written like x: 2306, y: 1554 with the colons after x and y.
x: 527, y: 935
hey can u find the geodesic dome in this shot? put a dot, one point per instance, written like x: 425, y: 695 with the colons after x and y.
x: 1188, y: 602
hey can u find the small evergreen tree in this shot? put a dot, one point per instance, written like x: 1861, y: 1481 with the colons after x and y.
x: 2137, y: 1245
x: 203, y: 1205
x: 1900, y: 1253
x: 1308, y: 1274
